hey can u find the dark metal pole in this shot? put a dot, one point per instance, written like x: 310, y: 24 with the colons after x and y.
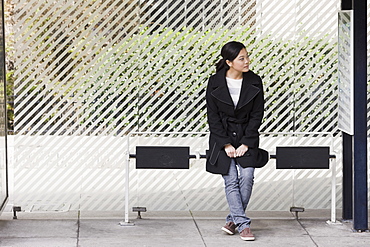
x: 347, y: 147
x: 347, y: 195
x: 360, y: 191
x: 346, y: 4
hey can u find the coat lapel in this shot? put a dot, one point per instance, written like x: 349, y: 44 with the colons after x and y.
x: 248, y: 90
x: 221, y: 91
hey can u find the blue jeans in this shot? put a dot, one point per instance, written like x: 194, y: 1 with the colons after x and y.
x: 238, y: 189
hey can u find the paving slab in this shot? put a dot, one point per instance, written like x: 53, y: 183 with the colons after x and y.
x: 38, y: 242
x: 145, y: 232
x: 267, y: 233
x: 38, y: 232
x: 341, y: 234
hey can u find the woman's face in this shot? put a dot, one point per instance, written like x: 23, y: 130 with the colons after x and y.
x: 241, y: 62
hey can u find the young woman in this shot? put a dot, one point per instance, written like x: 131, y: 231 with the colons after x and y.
x: 235, y: 106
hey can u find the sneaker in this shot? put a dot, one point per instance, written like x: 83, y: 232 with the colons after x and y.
x: 247, y: 235
x: 229, y: 228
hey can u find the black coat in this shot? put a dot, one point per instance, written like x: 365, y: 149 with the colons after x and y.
x: 233, y: 125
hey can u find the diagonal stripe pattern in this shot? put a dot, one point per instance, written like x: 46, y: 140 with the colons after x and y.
x: 90, y: 72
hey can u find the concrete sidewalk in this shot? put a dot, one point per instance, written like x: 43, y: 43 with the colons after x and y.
x: 174, y: 229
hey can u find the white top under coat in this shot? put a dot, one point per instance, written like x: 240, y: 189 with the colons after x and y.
x: 234, y: 86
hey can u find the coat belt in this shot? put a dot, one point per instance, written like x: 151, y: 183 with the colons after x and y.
x: 238, y: 121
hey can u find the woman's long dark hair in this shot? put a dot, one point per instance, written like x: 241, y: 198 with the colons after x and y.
x: 229, y: 52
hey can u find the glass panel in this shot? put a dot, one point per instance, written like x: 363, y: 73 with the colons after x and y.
x: 3, y: 118
x: 345, y: 73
